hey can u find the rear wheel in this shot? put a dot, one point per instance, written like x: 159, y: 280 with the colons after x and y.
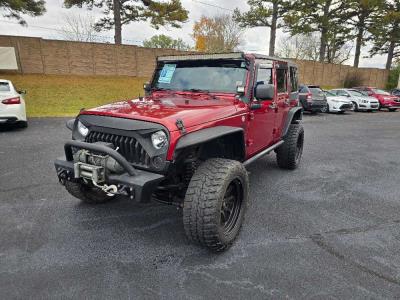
x: 86, y: 193
x: 392, y: 109
x: 289, y: 154
x: 215, y: 203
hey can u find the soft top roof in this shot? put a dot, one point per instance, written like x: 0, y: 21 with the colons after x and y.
x: 233, y: 55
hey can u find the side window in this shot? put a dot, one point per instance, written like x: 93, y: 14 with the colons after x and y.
x: 281, y: 80
x: 264, y: 76
x: 293, y: 79
x: 342, y: 93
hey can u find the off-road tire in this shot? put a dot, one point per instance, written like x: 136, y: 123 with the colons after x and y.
x: 205, y: 198
x: 87, y: 194
x: 289, y: 154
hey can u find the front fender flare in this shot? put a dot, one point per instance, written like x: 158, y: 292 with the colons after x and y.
x: 208, y: 134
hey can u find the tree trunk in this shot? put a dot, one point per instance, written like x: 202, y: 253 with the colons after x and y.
x: 117, y: 22
x: 274, y: 22
x: 390, y: 55
x: 359, y: 40
x: 322, y: 47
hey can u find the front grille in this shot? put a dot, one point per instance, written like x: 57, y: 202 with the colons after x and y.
x: 127, y: 146
x: 374, y: 105
x: 346, y: 106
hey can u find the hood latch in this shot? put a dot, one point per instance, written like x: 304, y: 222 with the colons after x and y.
x: 180, y: 126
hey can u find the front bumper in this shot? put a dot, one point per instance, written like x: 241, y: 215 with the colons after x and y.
x: 368, y: 106
x: 138, y: 183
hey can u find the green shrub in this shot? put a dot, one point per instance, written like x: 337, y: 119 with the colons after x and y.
x: 393, y: 77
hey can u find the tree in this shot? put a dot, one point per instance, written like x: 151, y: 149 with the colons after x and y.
x: 385, y: 33
x: 164, y: 41
x: 121, y: 12
x: 328, y: 17
x: 364, y: 12
x: 306, y: 46
x: 217, y: 34
x: 14, y: 8
x: 263, y: 13
x: 300, y: 46
x: 79, y: 28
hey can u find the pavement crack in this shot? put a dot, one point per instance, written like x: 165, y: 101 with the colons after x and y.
x: 319, y: 240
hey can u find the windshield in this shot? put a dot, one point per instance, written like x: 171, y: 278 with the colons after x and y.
x: 328, y: 93
x: 4, y: 87
x: 380, y: 92
x: 356, y: 93
x: 203, y: 75
x: 316, y: 91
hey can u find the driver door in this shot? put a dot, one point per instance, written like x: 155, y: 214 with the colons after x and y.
x: 262, y: 119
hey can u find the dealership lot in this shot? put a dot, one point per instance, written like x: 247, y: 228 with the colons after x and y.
x: 330, y: 228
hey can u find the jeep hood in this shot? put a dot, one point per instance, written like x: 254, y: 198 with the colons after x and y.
x: 166, y: 110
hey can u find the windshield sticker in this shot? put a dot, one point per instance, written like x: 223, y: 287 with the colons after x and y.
x: 166, y: 73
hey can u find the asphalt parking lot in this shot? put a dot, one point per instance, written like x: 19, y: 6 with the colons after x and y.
x: 330, y: 229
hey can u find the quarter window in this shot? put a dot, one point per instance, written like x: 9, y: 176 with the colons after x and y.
x: 281, y: 80
x: 293, y: 79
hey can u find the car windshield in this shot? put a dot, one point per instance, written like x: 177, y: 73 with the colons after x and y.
x: 380, y: 92
x: 4, y: 87
x: 328, y: 93
x: 201, y: 75
x: 356, y: 93
x: 315, y: 91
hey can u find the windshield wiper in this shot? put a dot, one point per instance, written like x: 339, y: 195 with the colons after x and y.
x: 197, y: 91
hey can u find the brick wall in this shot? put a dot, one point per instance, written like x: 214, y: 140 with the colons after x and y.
x: 36, y: 55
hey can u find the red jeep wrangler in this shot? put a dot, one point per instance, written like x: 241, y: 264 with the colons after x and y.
x: 187, y: 142
x: 386, y: 100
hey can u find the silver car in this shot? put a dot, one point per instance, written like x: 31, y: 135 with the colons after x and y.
x: 361, y: 101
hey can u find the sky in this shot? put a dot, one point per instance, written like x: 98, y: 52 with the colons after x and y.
x: 253, y: 40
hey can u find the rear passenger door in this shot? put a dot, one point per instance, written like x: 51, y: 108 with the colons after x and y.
x: 283, y: 98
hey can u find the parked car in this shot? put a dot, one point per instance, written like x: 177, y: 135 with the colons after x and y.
x: 187, y: 142
x: 12, y: 105
x: 338, y: 104
x: 312, y: 98
x: 360, y: 100
x: 395, y: 92
x: 386, y: 100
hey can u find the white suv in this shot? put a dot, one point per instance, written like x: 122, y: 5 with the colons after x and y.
x: 12, y: 105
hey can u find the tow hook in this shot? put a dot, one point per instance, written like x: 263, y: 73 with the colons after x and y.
x: 110, y: 190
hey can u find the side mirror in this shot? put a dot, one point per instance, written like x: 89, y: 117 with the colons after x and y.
x: 265, y: 92
x: 21, y: 92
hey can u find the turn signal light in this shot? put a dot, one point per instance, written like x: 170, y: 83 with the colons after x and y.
x: 15, y: 100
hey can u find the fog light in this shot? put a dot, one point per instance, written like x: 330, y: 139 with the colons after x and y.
x: 158, y: 162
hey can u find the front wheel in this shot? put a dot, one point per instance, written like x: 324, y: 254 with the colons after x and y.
x: 355, y: 105
x: 289, y: 154
x: 215, y: 203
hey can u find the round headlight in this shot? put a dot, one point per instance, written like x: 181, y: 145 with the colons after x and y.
x: 159, y: 139
x: 83, y: 130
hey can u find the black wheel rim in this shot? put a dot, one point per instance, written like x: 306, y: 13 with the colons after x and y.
x: 231, y: 206
x: 299, y: 147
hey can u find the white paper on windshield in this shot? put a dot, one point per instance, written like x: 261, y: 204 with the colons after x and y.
x: 167, y: 73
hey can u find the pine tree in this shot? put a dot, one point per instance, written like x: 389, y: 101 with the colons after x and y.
x: 121, y: 12
x: 14, y: 8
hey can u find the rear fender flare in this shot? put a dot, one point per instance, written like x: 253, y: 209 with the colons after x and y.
x: 294, y: 114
